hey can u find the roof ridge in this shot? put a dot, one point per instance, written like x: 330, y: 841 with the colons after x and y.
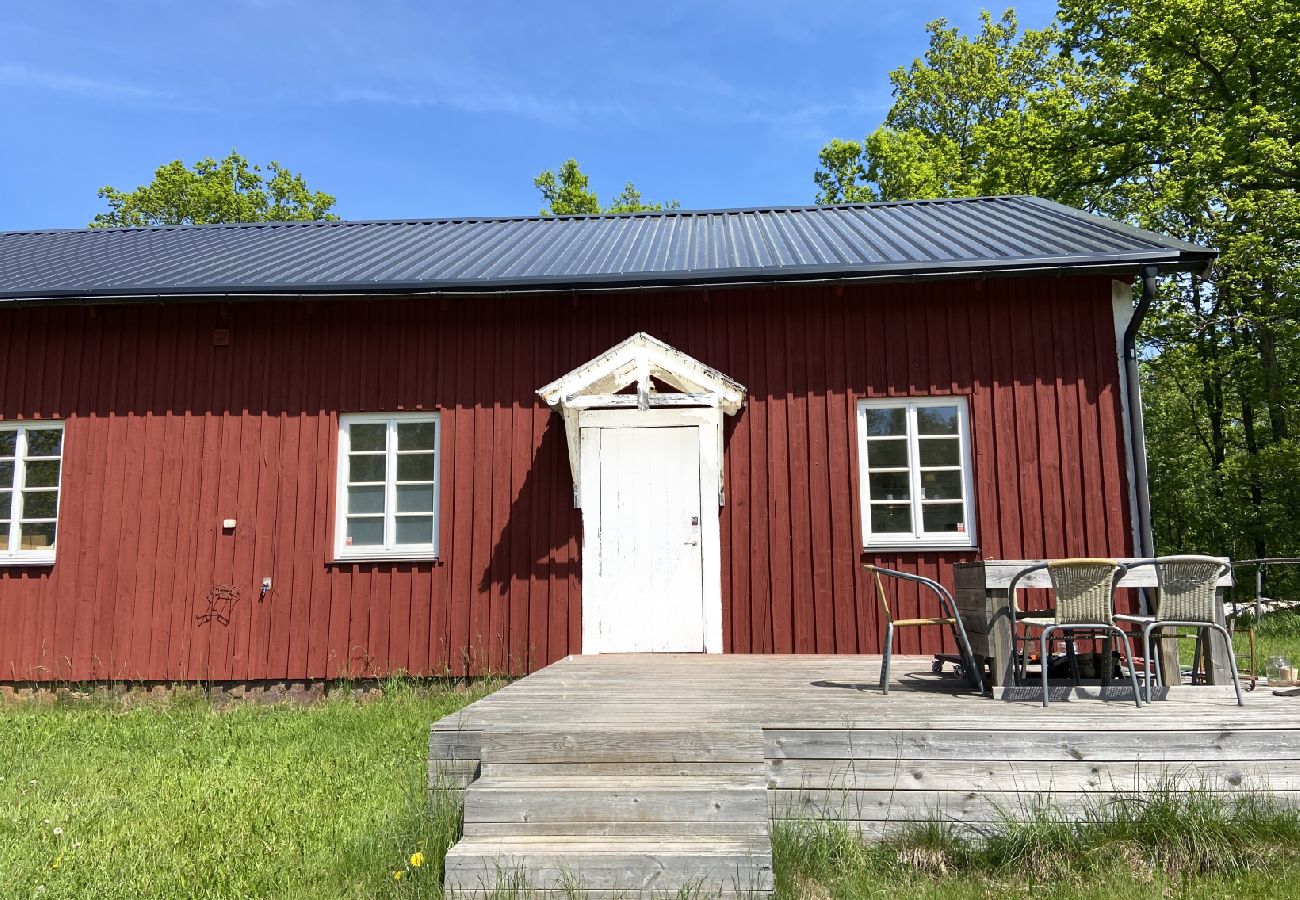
x: 450, y: 220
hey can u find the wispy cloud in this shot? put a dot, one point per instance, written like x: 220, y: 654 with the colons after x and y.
x: 488, y: 99
x: 850, y: 116
x: 17, y: 75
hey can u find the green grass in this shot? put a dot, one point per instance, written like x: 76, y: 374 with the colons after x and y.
x: 1170, y: 843
x: 183, y: 799
x: 187, y: 799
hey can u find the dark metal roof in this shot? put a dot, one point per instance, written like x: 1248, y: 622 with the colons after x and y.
x: 924, y: 238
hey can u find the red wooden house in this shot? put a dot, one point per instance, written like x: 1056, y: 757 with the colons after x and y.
x: 299, y: 450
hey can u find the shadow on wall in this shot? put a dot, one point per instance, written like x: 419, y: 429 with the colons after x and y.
x: 539, y: 529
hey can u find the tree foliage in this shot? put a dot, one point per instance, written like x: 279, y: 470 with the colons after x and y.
x: 229, y: 190
x: 976, y: 116
x: 1199, y: 129
x: 568, y: 193
x: 1177, y: 115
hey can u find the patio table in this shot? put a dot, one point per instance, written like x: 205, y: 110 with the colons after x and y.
x: 982, y: 603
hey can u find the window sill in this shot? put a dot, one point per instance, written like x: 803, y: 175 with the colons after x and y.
x: 918, y: 547
x: 386, y: 558
x: 36, y: 559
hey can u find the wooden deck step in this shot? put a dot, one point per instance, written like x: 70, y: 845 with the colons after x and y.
x: 606, y: 798
x: 659, y: 865
x: 546, y: 743
x: 526, y: 770
x: 597, y: 812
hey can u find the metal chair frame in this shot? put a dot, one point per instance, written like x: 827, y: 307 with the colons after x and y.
x: 1108, y: 627
x: 1151, y: 624
x: 952, y: 620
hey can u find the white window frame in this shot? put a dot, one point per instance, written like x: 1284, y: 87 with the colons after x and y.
x: 390, y: 551
x: 10, y: 553
x: 918, y: 539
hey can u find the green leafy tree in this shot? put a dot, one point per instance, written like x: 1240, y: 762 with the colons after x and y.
x: 568, y: 194
x: 630, y: 200
x: 975, y: 116
x: 1198, y: 133
x: 229, y: 190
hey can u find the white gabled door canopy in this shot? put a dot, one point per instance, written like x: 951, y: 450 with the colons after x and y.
x: 640, y: 360
x: 596, y: 384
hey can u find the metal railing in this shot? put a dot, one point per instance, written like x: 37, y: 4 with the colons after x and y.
x: 1261, y: 567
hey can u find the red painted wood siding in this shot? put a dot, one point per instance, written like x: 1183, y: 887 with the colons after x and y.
x: 167, y: 435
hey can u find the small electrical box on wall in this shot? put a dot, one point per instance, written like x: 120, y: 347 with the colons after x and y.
x: 221, y: 337
x: 227, y: 524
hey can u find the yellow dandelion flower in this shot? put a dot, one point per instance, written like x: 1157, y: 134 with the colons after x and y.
x: 397, y: 876
x: 58, y: 861
x: 417, y: 859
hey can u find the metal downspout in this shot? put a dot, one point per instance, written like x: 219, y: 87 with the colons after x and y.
x: 1137, y: 431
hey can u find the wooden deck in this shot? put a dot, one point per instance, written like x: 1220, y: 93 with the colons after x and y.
x: 644, y: 771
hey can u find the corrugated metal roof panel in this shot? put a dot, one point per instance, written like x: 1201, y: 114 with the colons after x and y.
x: 915, y: 238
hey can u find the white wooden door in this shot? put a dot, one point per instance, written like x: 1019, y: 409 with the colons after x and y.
x: 642, y: 585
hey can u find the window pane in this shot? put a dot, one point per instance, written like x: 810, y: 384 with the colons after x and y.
x: 886, y: 454
x: 366, y: 499
x: 940, y: 452
x: 415, y: 498
x: 8, y: 443
x: 936, y: 420
x: 942, y: 517
x: 890, y: 486
x: 366, y: 468
x: 416, y: 436
x: 35, y: 537
x: 40, y: 474
x: 44, y: 441
x: 881, y: 422
x: 415, y: 530
x: 941, y: 486
x: 891, y: 519
x: 365, y: 532
x: 416, y: 467
x: 369, y: 436
x: 4, y: 537
x: 6, y: 474
x: 6, y: 504
x: 40, y: 504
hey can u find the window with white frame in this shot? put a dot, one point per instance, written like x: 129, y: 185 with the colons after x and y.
x: 31, y: 456
x: 916, y: 479
x: 387, y: 487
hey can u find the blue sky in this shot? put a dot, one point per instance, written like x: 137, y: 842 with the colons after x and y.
x: 407, y: 109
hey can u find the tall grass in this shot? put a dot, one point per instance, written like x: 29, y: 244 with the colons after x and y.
x: 1182, y: 831
x: 189, y: 799
x: 1172, y: 841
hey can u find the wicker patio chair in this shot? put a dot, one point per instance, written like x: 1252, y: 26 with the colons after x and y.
x: 1187, y: 597
x: 1084, y: 592
x: 952, y: 620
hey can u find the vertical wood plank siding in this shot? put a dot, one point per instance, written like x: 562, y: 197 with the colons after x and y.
x: 168, y: 434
